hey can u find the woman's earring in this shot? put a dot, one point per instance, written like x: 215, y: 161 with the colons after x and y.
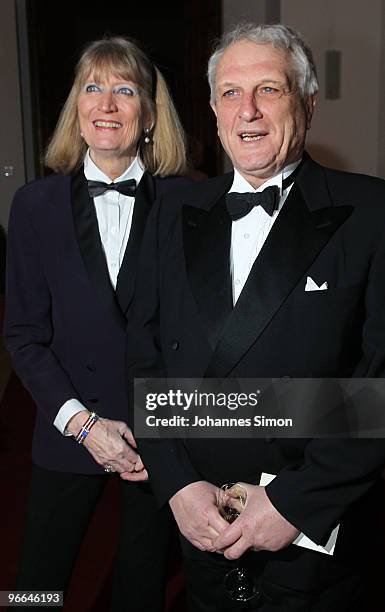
x: 147, y: 138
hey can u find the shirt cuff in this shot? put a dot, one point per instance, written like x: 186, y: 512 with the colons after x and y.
x: 66, y: 412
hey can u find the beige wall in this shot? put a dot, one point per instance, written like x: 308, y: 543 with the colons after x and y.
x: 11, y: 140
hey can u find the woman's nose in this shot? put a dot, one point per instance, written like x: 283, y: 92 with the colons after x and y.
x: 107, y: 102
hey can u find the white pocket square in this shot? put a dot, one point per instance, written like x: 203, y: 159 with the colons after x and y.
x: 312, y: 286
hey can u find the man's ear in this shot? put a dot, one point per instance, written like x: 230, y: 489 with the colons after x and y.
x: 309, y: 108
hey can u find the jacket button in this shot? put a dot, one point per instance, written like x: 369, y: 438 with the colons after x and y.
x: 91, y: 367
x: 175, y: 345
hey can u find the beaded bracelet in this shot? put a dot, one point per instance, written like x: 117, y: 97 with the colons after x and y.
x: 86, y: 428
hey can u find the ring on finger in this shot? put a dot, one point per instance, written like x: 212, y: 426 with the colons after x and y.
x: 108, y: 468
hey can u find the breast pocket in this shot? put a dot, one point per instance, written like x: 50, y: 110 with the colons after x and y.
x: 326, y: 298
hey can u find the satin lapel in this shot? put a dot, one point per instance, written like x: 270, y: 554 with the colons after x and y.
x: 144, y: 198
x: 91, y: 250
x: 295, y: 240
x: 207, y: 241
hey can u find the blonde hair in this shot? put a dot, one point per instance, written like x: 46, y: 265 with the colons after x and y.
x: 165, y: 154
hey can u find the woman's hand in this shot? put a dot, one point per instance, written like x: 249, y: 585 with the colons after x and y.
x: 112, y: 445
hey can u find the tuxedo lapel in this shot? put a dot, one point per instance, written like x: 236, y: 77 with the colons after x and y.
x: 298, y: 235
x: 207, y: 241
x: 91, y: 250
x: 144, y: 198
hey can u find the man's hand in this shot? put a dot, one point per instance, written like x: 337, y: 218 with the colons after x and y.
x: 260, y: 526
x: 195, y: 510
x: 111, y: 443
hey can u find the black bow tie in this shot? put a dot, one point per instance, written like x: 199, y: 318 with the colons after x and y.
x: 97, y: 188
x: 240, y: 204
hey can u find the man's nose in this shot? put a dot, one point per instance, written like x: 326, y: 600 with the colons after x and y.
x: 107, y: 102
x: 249, y: 108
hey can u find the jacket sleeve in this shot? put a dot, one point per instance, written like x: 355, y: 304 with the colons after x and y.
x: 28, y: 326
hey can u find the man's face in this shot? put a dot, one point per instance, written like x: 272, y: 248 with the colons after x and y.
x: 260, y: 133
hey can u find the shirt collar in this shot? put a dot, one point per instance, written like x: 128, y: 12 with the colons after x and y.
x: 241, y: 185
x: 93, y: 173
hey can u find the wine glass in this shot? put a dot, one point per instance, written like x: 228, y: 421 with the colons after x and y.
x: 239, y: 583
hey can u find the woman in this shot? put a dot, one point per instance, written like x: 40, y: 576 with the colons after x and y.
x: 74, y: 239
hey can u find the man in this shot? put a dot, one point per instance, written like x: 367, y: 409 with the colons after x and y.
x: 235, y: 301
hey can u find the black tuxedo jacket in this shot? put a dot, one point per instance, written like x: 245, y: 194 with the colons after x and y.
x: 64, y: 323
x: 331, y: 228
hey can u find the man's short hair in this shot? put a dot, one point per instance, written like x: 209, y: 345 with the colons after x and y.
x: 280, y: 37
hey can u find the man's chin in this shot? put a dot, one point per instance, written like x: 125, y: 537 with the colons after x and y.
x: 258, y: 172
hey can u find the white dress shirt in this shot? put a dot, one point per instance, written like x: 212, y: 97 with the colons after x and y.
x: 114, y: 212
x: 249, y: 233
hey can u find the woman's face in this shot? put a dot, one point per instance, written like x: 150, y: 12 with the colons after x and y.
x: 111, y: 119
